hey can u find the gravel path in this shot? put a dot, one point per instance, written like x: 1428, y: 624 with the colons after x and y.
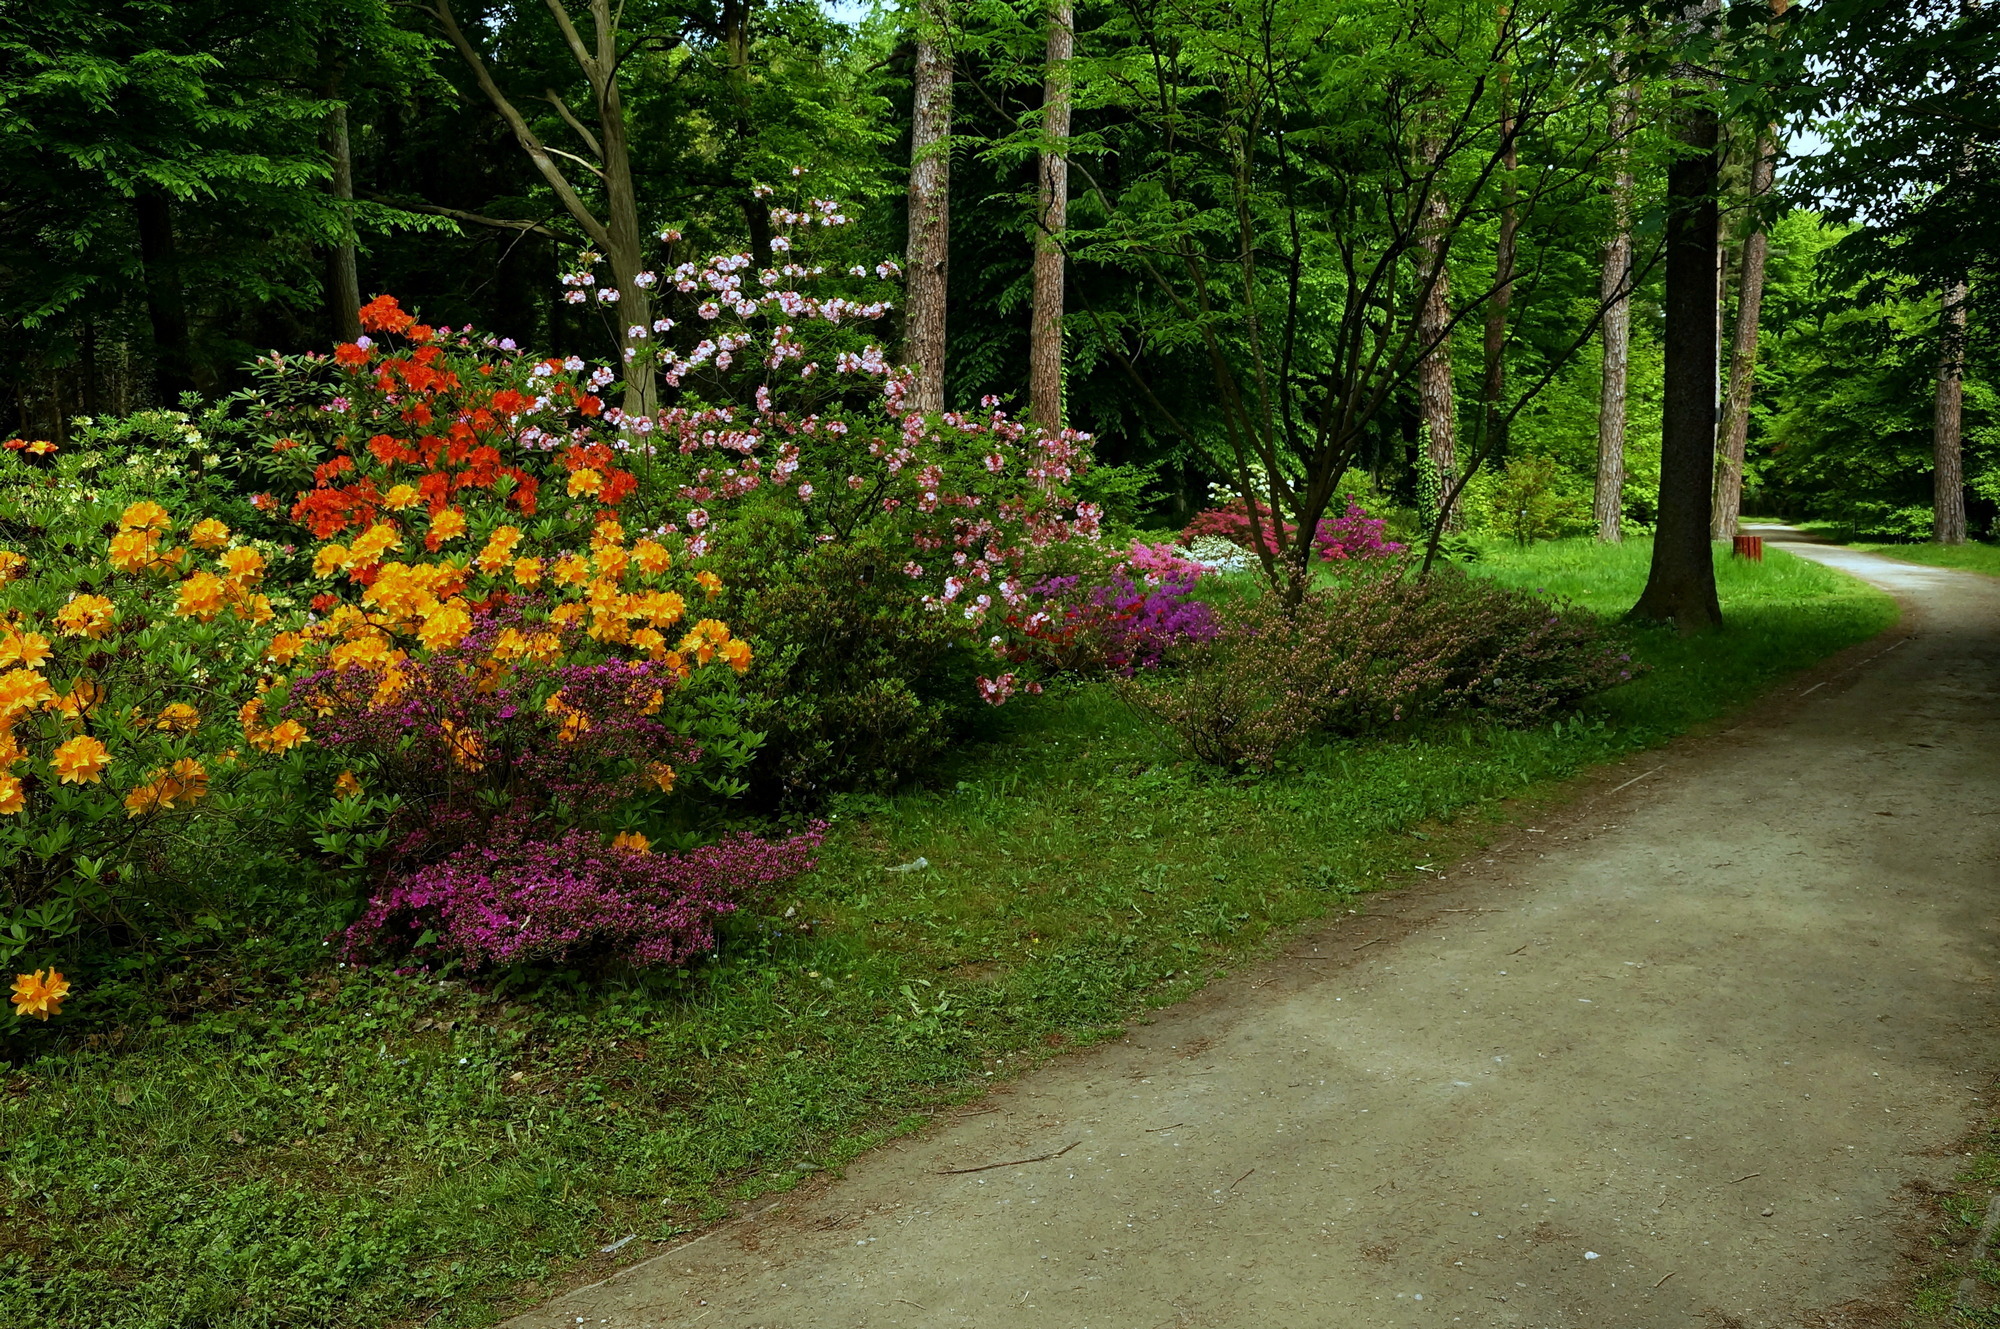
x: 1674, y: 1057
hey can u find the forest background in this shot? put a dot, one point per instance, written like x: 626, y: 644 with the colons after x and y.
x: 191, y: 184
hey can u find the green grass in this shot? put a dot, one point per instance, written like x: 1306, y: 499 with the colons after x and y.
x: 1956, y: 1213
x: 350, y: 1149
x: 1972, y: 556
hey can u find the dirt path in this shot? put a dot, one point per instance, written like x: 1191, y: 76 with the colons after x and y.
x: 1673, y: 1061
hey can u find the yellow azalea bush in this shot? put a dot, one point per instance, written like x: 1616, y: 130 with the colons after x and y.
x: 130, y: 642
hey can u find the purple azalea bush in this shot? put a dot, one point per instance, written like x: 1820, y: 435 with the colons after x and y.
x: 1116, y: 626
x: 515, y: 898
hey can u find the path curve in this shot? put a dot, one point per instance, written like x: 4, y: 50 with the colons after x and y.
x: 1673, y: 1061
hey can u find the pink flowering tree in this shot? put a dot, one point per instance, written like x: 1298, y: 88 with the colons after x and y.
x: 786, y: 416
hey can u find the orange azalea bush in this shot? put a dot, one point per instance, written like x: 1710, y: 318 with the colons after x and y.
x: 129, y: 642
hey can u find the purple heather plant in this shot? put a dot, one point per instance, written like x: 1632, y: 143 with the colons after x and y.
x: 519, y: 899
x: 1117, y: 626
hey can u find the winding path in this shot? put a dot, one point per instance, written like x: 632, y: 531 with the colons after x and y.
x: 1671, y: 1058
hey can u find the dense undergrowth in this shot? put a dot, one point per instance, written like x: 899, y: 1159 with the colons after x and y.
x: 362, y: 1148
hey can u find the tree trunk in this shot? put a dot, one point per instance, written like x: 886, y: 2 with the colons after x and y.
x: 1948, y: 408
x: 627, y: 248
x: 1045, y: 329
x: 930, y: 195
x: 343, y: 276
x: 1743, y: 355
x: 174, y: 368
x: 1494, y: 392
x: 1608, y: 499
x: 618, y: 231
x: 1948, y: 483
x: 1680, y: 588
x: 1434, y: 386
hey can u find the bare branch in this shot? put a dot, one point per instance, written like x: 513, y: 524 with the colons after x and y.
x: 569, y: 118
x: 523, y: 133
x: 475, y: 218
x: 584, y: 162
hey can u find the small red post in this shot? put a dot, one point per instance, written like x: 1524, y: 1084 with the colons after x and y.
x: 1750, y: 547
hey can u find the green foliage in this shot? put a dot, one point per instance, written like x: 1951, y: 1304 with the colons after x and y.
x: 1846, y: 428
x: 857, y: 685
x: 1531, y: 498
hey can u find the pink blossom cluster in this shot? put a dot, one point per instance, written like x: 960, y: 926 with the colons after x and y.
x: 1353, y: 534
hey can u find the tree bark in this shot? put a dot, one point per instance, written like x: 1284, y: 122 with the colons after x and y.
x: 1045, y: 327
x: 1614, y: 292
x: 930, y: 196
x: 1493, y: 392
x: 174, y: 362
x: 1434, y: 384
x: 1743, y: 354
x: 1947, y: 421
x: 1680, y: 587
x: 1948, y: 407
x: 343, y: 274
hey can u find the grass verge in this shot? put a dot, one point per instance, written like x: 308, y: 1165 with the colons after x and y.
x: 358, y: 1149
x: 1972, y: 556
x: 1950, y: 1252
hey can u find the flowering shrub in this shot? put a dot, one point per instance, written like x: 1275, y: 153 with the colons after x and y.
x: 1163, y: 563
x: 1382, y: 650
x: 495, y: 657
x: 1352, y: 535
x: 1213, y: 553
x: 1115, y: 626
x: 515, y: 898
x: 124, y: 659
x: 787, y: 459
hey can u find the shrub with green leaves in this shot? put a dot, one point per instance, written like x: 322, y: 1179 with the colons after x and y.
x: 1378, y: 651
x: 129, y: 643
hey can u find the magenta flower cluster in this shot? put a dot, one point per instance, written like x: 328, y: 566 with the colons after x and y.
x: 519, y: 899
x: 1117, y: 626
x: 1353, y: 534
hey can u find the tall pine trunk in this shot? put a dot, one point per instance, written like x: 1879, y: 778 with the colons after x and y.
x: 930, y: 221
x: 175, y: 367
x: 1680, y: 587
x: 1947, y: 421
x: 343, y: 273
x: 1743, y: 354
x: 1493, y: 393
x: 1434, y: 385
x: 1948, y: 407
x: 1045, y: 329
x: 1614, y: 291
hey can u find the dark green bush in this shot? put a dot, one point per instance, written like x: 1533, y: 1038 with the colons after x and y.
x: 856, y: 685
